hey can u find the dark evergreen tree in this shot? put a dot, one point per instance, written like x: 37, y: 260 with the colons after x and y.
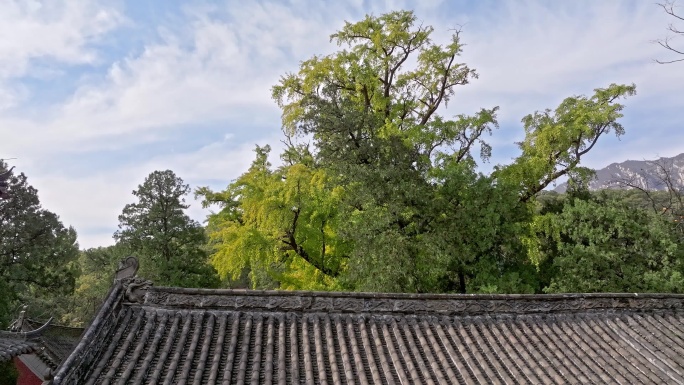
x: 169, y: 244
x: 599, y: 243
x: 37, y: 252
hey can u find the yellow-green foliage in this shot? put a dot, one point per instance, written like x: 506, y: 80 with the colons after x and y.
x: 389, y: 197
x: 372, y: 73
x: 280, y: 221
x: 556, y: 140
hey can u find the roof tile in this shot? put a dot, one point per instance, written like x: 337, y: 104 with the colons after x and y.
x: 14, y: 344
x: 179, y: 336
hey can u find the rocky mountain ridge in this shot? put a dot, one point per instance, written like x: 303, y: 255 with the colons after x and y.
x: 645, y: 174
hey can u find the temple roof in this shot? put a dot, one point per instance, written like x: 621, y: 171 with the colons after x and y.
x: 163, y: 335
x: 15, y: 343
x: 56, y: 342
x: 40, y: 346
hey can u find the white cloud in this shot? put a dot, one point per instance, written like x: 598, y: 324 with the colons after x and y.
x: 210, y: 69
x: 54, y: 31
x: 530, y: 56
x: 95, y: 201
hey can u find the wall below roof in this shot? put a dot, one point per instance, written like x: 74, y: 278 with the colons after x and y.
x: 26, y: 376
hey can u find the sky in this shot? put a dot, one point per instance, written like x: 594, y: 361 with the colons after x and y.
x: 95, y: 95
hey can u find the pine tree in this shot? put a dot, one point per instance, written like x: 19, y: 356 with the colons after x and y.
x: 169, y: 244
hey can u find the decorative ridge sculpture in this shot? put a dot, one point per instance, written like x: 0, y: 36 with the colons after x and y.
x: 405, y: 303
x: 128, y: 267
x: 134, y: 287
x: 18, y: 324
x: 18, y: 327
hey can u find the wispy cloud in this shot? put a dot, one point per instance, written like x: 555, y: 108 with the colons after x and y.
x: 39, y: 36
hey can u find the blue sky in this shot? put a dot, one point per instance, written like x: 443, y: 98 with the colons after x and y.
x: 95, y: 95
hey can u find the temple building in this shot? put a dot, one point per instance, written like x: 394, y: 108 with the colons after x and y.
x: 37, y: 349
x: 144, y: 334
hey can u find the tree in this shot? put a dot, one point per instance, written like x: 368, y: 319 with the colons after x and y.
x: 4, y: 184
x: 169, y: 244
x: 413, y: 213
x: 97, y: 267
x: 660, y: 189
x: 601, y: 244
x: 366, y: 93
x: 278, y: 225
x: 555, y: 141
x: 669, y: 8
x: 377, y: 129
x: 8, y: 373
x: 36, y: 250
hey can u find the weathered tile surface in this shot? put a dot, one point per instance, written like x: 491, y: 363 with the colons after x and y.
x: 14, y: 344
x: 178, y: 336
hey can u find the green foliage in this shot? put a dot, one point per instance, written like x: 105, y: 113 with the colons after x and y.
x: 366, y: 92
x: 392, y: 183
x: 604, y: 245
x: 8, y: 373
x: 657, y: 189
x: 280, y: 222
x: 377, y: 130
x: 480, y: 225
x: 97, y: 270
x: 169, y: 245
x: 36, y: 250
x: 556, y: 141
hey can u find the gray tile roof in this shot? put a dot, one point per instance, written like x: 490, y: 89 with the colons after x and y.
x: 14, y: 344
x: 56, y: 342
x: 192, y: 336
x: 41, y: 346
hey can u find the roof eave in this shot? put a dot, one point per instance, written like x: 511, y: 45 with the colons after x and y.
x: 106, y: 311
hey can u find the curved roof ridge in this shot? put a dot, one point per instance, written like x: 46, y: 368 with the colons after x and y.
x: 442, y: 304
x: 38, y: 332
x: 53, y: 325
x: 105, y: 315
x: 361, y: 294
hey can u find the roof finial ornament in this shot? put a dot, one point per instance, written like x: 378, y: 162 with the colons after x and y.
x: 18, y: 324
x: 134, y: 287
x: 128, y: 267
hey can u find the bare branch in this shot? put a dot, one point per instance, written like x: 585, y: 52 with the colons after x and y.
x: 669, y: 8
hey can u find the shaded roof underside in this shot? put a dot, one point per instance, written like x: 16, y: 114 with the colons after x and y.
x: 59, y: 342
x: 193, y: 338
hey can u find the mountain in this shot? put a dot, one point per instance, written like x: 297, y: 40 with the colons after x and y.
x: 646, y: 174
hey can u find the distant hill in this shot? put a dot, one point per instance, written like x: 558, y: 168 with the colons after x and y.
x: 647, y: 174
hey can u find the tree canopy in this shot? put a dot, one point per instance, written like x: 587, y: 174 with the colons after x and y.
x: 602, y: 244
x: 168, y: 243
x: 380, y: 190
x: 37, y: 252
